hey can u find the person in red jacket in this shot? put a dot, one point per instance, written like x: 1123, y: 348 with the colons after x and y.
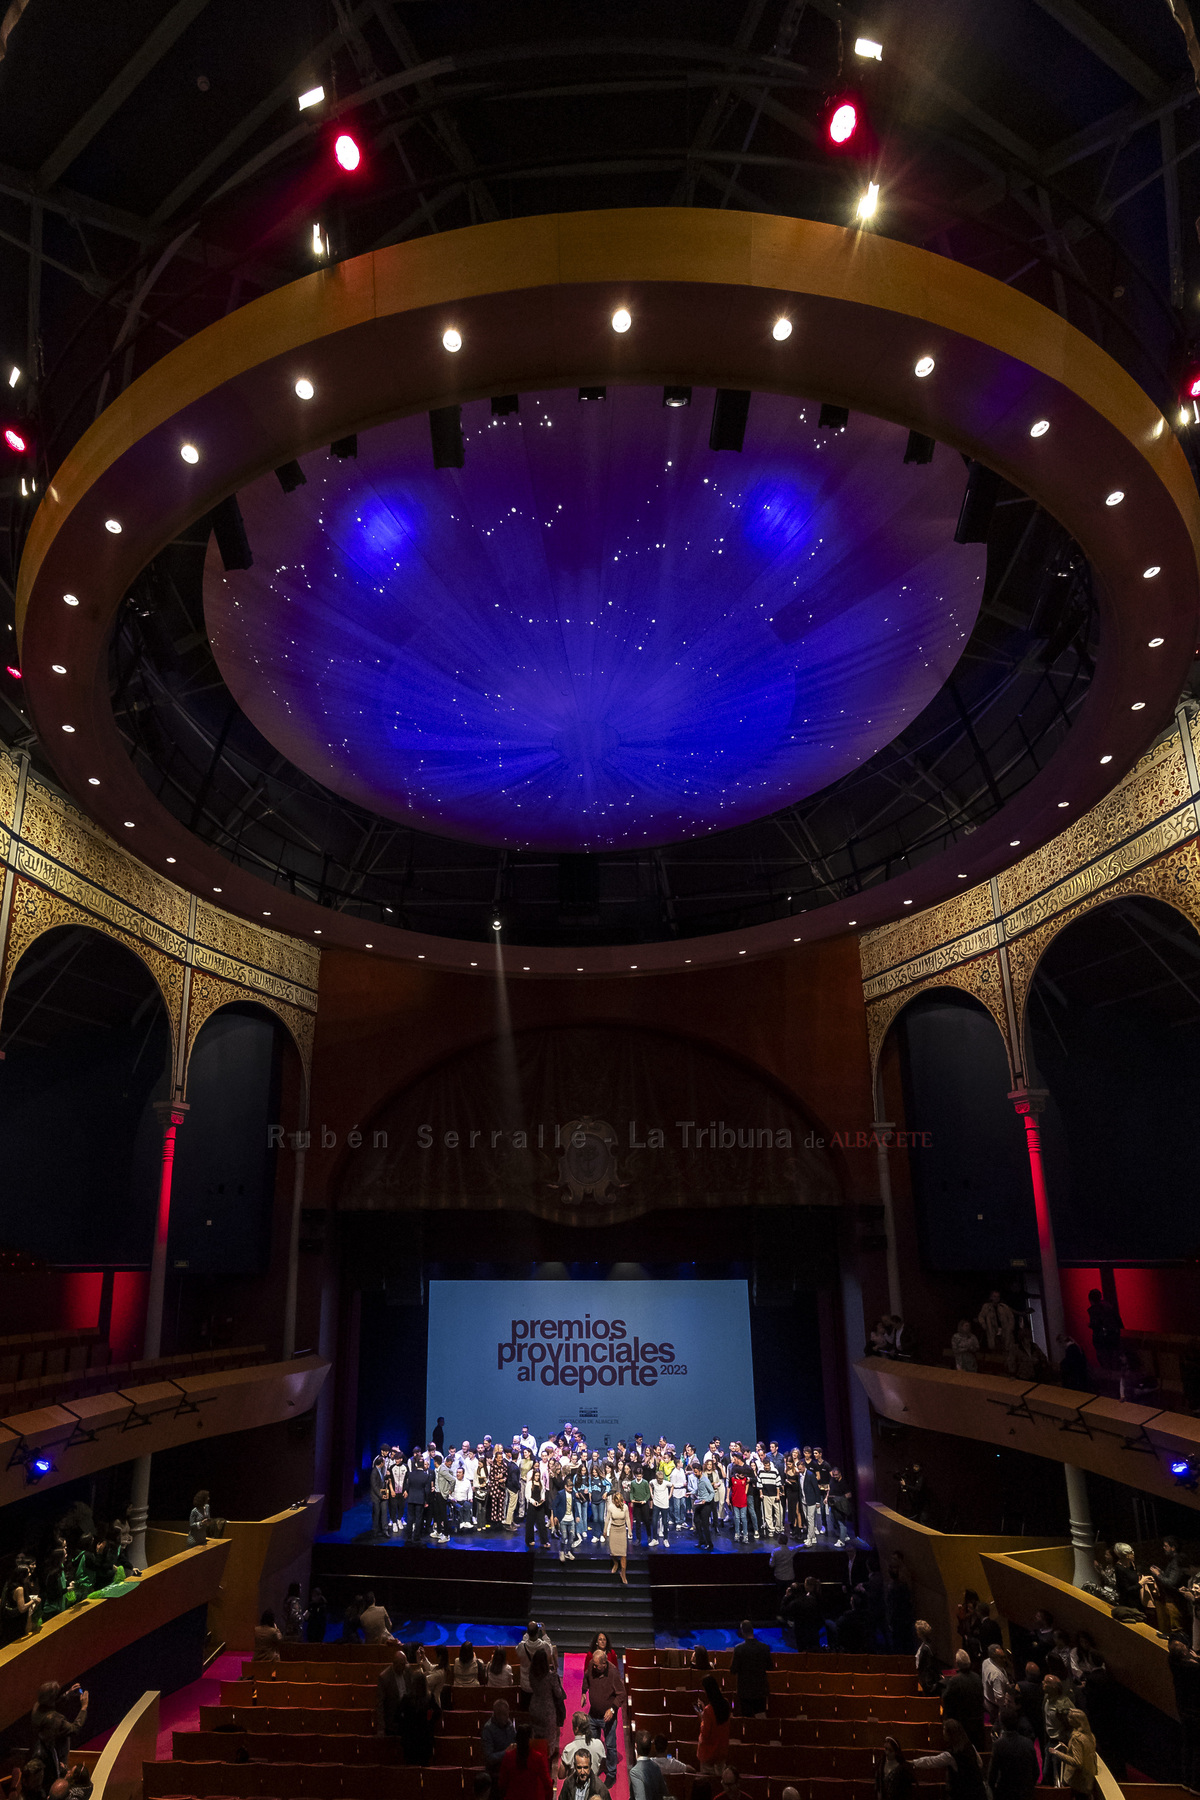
x: 525, y: 1769
x: 738, y: 1490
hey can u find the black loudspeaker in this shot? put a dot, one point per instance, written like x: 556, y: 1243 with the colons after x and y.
x: 230, y: 533
x: 834, y: 418
x: 503, y: 404
x: 919, y: 448
x: 731, y: 409
x: 345, y: 447
x: 445, y: 430
x: 290, y: 477
x: 978, y: 504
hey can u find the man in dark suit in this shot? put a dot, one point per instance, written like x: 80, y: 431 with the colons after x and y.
x: 378, y: 1492
x: 962, y: 1699
x: 390, y: 1690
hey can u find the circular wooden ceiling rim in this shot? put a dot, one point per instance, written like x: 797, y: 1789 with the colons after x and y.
x: 533, y: 301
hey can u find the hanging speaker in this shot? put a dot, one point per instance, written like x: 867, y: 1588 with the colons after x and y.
x: 445, y: 431
x: 731, y: 409
x: 919, y: 448
x: 978, y: 504
x: 229, y: 529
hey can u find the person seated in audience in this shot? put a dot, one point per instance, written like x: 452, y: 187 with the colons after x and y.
x: 467, y: 1671
x: 495, y: 1735
x: 964, y: 1346
x: 1161, y: 1587
x: 1126, y: 1577
x: 58, y: 1585
x: 267, y: 1639
x: 201, y: 1521
x: 525, y: 1769
x: 435, y: 1669
x: 731, y: 1783
x: 75, y: 1785
x: 894, y: 1779
x: 293, y: 1614
x: 377, y: 1626
x: 33, y: 1780
x: 1072, y: 1365
x: 18, y: 1599
x: 58, y: 1715
x: 352, y: 1621
x: 670, y: 1765
x: 584, y: 1738
x: 316, y: 1618
x: 581, y: 1781
x: 500, y: 1672
x: 416, y: 1721
x: 390, y: 1688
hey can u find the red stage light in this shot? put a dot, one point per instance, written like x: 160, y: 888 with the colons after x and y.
x: 347, y: 153
x: 15, y: 441
x: 1194, y: 387
x: 15, y: 673
x: 843, y: 122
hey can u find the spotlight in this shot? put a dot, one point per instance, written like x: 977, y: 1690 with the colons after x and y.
x: 1182, y: 1472
x: 312, y: 96
x: 36, y: 1468
x: 445, y: 431
x: 304, y: 388
x: 291, y: 476
x: 345, y: 447
x: 781, y: 330
x: 978, y: 504
x: 318, y: 242
x: 843, y: 123
x: 924, y: 366
x: 1151, y: 572
x: 1115, y: 498
x: 592, y: 393
x: 868, y: 203
x: 346, y: 153
x: 833, y: 418
x: 622, y: 319
x: 14, y: 375
x: 919, y: 448
x: 451, y: 339
x: 504, y: 404
x: 1039, y: 428
x: 113, y: 525
x: 868, y: 49
x: 731, y: 410
x: 10, y: 669
x: 677, y: 396
x: 497, y: 924
x: 16, y: 443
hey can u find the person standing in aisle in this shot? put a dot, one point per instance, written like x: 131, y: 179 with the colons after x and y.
x: 603, y: 1694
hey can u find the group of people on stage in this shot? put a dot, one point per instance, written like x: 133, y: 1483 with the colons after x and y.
x: 559, y: 1487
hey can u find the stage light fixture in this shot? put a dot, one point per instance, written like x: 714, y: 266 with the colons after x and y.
x: 1156, y: 643
x: 16, y: 443
x: 593, y: 393
x: 346, y: 153
x: 451, y: 340
x: 781, y: 330
x: 868, y: 204
x: 37, y: 1468
x: 318, y: 242
x: 843, y: 122
x: 504, y: 404
x: 14, y: 375
x: 677, y: 396
x: 1063, y: 803
x: 497, y: 925
x: 312, y: 96
x: 291, y: 476
x: 833, y: 418
x: 1185, y: 417
x: 731, y: 411
x: 12, y: 670
x: 919, y: 448
x: 345, y: 448
x: 868, y: 49
x: 1151, y: 572
x: 304, y: 388
x: 1039, y: 428
x: 189, y: 453
x: 924, y: 366
x: 446, y: 435
x: 622, y: 319
x: 1182, y: 1472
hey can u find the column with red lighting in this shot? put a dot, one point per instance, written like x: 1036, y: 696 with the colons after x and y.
x: 171, y: 1114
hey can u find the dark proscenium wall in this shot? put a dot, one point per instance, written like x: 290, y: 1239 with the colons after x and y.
x: 794, y: 1268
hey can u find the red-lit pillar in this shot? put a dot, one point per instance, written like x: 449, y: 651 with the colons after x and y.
x: 171, y: 1114
x: 1029, y: 1102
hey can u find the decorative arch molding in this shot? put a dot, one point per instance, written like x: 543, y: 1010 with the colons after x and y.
x: 59, y: 868
x: 1143, y: 839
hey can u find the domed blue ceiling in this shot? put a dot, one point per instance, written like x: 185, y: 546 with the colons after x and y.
x: 599, y: 632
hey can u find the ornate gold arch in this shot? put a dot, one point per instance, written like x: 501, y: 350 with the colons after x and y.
x: 981, y: 978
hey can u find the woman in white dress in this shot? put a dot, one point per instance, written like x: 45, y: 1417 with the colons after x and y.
x: 616, y: 1528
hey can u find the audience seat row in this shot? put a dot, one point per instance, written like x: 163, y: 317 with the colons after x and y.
x: 342, y: 1720
x: 874, y: 1664
x: 783, y: 1681
x: 304, y: 1781
x: 649, y: 1708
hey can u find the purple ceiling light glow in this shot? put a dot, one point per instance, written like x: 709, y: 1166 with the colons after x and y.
x: 599, y: 633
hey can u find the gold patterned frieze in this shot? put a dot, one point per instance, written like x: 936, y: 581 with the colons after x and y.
x: 981, y: 978
x: 958, y: 920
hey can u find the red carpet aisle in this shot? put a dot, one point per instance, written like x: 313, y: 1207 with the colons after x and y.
x: 573, y: 1688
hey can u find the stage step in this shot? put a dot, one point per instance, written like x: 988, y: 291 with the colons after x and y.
x: 575, y: 1600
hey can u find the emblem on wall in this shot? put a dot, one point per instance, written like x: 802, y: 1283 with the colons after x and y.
x: 587, y: 1164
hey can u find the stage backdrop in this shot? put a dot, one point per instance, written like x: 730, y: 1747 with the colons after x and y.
x: 615, y: 1357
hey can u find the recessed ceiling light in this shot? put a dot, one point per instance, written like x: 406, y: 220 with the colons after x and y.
x: 266, y: 915
x: 129, y: 824
x: 1152, y: 571
x: 72, y: 601
x: 741, y: 953
x: 795, y: 940
x: 451, y: 339
x: 908, y: 903
x: 421, y: 956
x: 59, y: 668
x: 924, y: 366
x: 854, y: 921
x: 93, y: 781
x: 962, y: 875
x: 216, y: 890
x: 1063, y: 803
x: 68, y: 728
x: 1156, y: 643
x: 304, y: 388
x: 633, y: 965
x: 316, y: 931
x: 622, y: 319
x: 525, y: 968
x: 1106, y: 759
x: 113, y: 525
x: 189, y: 453
x: 1138, y: 706
x: 781, y: 330
x: 1039, y: 428
x: 1115, y: 498
x: 1013, y: 842
x: 370, y: 946
x: 170, y: 859
x: 474, y: 965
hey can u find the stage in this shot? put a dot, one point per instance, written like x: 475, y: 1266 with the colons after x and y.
x: 491, y: 1577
